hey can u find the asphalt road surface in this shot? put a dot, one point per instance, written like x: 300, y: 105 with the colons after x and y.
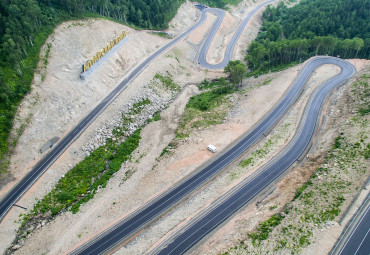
x: 110, y: 238
x: 202, y: 60
x: 355, y: 239
x: 24, y: 184
x: 273, y: 169
x: 113, y: 236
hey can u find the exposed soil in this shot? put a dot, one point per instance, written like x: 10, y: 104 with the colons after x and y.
x: 62, y: 99
x: 237, y: 229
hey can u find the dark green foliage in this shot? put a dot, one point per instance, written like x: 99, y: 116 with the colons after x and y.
x: 157, y: 116
x: 167, y: 81
x: 219, y: 3
x: 169, y: 148
x: 312, y: 27
x: 216, y: 83
x: 208, y: 100
x: 367, y: 151
x: 139, y: 106
x: 364, y: 111
x: 236, y: 71
x: 80, y: 184
x: 337, y: 142
x: 301, y: 189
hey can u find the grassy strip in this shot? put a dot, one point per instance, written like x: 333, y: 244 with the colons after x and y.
x: 161, y: 34
x: 156, y: 117
x: 81, y: 183
x: 256, y: 157
x: 169, y: 148
x: 266, y: 227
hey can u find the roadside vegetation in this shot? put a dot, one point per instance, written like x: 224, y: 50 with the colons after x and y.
x: 211, y: 106
x: 291, y: 35
x: 206, y: 109
x: 83, y: 181
x: 166, y: 81
x: 321, y: 198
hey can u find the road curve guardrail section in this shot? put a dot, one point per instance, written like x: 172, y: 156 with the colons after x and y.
x: 298, y: 146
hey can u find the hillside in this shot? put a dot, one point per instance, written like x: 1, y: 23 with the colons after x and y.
x: 156, y: 131
x: 24, y: 28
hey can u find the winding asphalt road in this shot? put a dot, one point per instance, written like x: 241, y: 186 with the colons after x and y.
x: 130, y: 225
x: 202, y: 60
x: 273, y: 169
x: 127, y: 227
x: 23, y: 185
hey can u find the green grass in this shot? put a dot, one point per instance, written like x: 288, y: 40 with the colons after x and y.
x: 169, y: 148
x: 205, y: 109
x: 81, y: 183
x: 167, y: 81
x: 156, y: 117
x: 162, y: 34
x: 265, y: 228
x: 138, y: 107
x: 216, y: 83
x: 209, y: 99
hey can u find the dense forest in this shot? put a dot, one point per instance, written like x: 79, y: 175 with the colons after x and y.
x: 312, y: 27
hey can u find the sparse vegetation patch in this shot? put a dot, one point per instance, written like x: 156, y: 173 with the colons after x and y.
x: 206, y: 109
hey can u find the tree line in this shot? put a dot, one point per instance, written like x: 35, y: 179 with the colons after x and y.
x: 312, y: 27
x: 20, y: 20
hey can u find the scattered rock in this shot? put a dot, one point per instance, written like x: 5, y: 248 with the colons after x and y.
x: 16, y: 247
